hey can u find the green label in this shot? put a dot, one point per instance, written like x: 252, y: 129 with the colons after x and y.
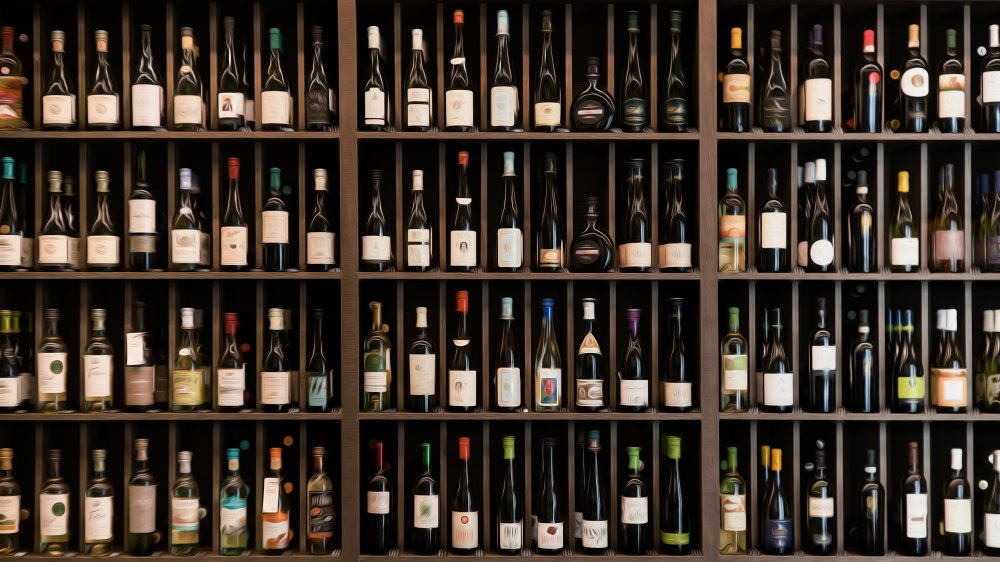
x: 910, y: 388
x: 188, y: 388
x: 675, y: 539
x: 375, y: 362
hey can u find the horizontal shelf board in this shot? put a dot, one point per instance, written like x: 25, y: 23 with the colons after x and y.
x: 528, y: 276
x: 841, y: 414
x: 566, y: 554
x: 800, y: 555
x: 837, y: 135
x: 166, y: 275
x: 849, y: 276
x: 528, y: 136
x: 75, y: 416
x: 169, y: 135
x: 521, y: 416
x: 204, y: 555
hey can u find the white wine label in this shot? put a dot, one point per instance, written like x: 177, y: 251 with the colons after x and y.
x: 637, y: 254
x: 233, y: 245
x: 53, y: 514
x: 275, y: 108
x: 418, y: 249
x: 425, y: 511
x: 134, y: 348
x: 734, y: 372
x: 824, y: 357
x: 916, y: 516
x: 275, y: 533
x: 509, y: 387
x: 376, y: 248
x: 951, y: 95
x: 819, y: 99
x: 231, y: 105
x: 232, y: 383
x: 548, y: 392
x: 269, y: 501
x: 61, y: 110
x: 10, y: 249
x: 635, y: 511
x: 594, y: 534
x: 548, y: 114
x: 53, y: 249
x: 677, y: 394
x: 773, y: 230
x: 422, y: 374
x: 51, y: 373
x: 275, y: 230
x: 734, y: 512
x: 778, y: 389
x: 183, y: 515
x: 187, y: 110
x: 991, y: 90
x: 458, y: 107
x: 510, y: 248
x: 275, y: 387
x: 590, y: 393
x: 96, y: 376
x: 102, y: 109
x: 142, y: 509
x: 511, y: 536
x: 147, y: 106
x: 462, y: 388
x: 736, y: 88
x: 634, y: 393
x: 375, y: 107
x: 102, y: 250
x: 821, y: 507
x: 376, y: 381
x: 915, y: 83
x: 549, y: 535
x: 503, y: 105
x: 992, y: 520
x: 319, y: 248
x: 185, y: 246
x: 418, y: 109
x: 821, y: 252
x: 465, y: 529
x: 958, y: 516
x: 904, y: 251
x: 463, y: 248
x: 98, y: 514
x: 675, y: 255
x: 231, y: 517
x: 378, y: 503
x: 141, y: 216
x: 10, y: 394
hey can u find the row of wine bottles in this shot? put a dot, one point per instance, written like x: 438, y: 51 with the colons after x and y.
x: 634, y: 377
x: 190, y: 230
x: 909, y: 112
x: 549, y: 526
x: 43, y: 376
x: 592, y: 109
x: 592, y: 249
x: 233, y: 108
x: 143, y: 532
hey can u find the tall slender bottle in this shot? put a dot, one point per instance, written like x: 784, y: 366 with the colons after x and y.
x: 322, y: 512
x: 951, y: 87
x: 818, y: 86
x: 594, y: 529
x: 464, y: 506
x: 948, y: 246
x: 957, y: 524
x: 12, y: 237
x: 377, y: 533
x: 548, y: 364
x: 675, y: 515
x: 733, y: 513
x: 633, y: 517
x: 861, y: 231
x: 321, y: 100
x: 71, y: 217
x: 632, y: 95
x: 675, y: 241
x: 377, y: 112
x: 321, y: 239
x: 276, y: 103
x: 459, y: 102
x: 102, y: 97
x: 904, y: 249
x: 462, y: 370
x: 914, y: 87
x: 908, y: 388
x: 52, y: 366
x: 772, y: 229
x: 821, y: 225
x: 233, y: 237
x: 862, y: 378
x: 779, y: 377
x: 10, y: 506
x: 913, y: 507
x: 510, y: 237
x: 185, y: 232
x: 507, y: 375
x: 775, y: 105
x: 633, y: 375
x: 147, y: 86
x: 275, y: 511
x: 822, y: 364
x: 949, y: 384
x: 275, y: 225
x: 676, y: 114
x: 677, y: 380
x: 462, y: 237
x: 871, y: 510
x: 777, y: 523
x: 550, y: 237
x: 234, y: 530
x: 548, y: 94
x: 635, y: 248
x: 59, y: 99
x: 590, y: 368
x: 320, y: 382
x: 188, y: 376
x: 510, y: 512
x: 188, y: 89
x: 377, y: 364
x: 376, y: 239
x: 990, y: 89
x: 142, y: 233
x: 185, y: 505
x: 868, y: 89
x: 732, y: 228
x: 426, y: 521
x: 231, y: 103
x: 53, y: 240
x: 275, y: 372
x: 419, y: 230
x: 550, y: 511
x: 419, y: 100
x: 98, y: 365
x: 821, y: 522
x: 504, y: 105
x: 734, y: 384
x: 103, y: 242
x: 99, y: 508
x: 231, y: 369
x: 736, y: 89
x: 422, y: 360
x: 54, y: 508
x: 10, y: 383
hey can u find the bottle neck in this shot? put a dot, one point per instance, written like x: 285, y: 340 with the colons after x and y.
x: 52, y: 327
x: 54, y: 468
x: 318, y: 464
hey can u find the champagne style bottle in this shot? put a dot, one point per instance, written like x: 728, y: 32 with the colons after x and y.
x: 321, y: 100
x: 142, y: 234
x: 779, y: 377
x: 142, y: 535
x: 633, y: 531
x: 188, y: 88
x: 818, y: 94
x: 377, y: 364
x: 634, y: 113
x: 231, y: 103
x: 594, y: 529
x: 676, y: 115
x: 377, y: 534
x: 378, y: 107
x: 734, y: 384
x: 948, y: 247
x: 913, y: 507
x: 147, y: 87
x: 822, y: 364
x: 914, y: 87
x: 675, y: 518
x: 459, y: 102
x: 635, y: 248
x: 419, y: 100
x: 736, y: 89
x: 775, y: 105
x: 821, y: 521
x: 871, y: 510
x: 464, y: 506
x: 510, y: 238
x: 990, y: 89
x: 590, y: 369
x: 376, y: 239
x: 593, y: 108
x: 233, y: 235
x: 868, y: 89
x: 550, y: 511
x: 510, y: 512
x: 592, y: 249
x: 275, y: 511
x: 549, y: 240
x: 507, y: 378
x: 59, y: 99
x: 951, y: 87
x: 419, y: 230
x: 322, y: 513
x: 957, y: 524
x: 102, y: 97
x: 733, y: 513
x: 633, y: 376
x: 232, y: 369
x: 426, y: 533
x: 322, y: 387
x: 321, y: 239
x: 548, y: 94
x: 732, y: 228
x: 777, y: 524
x: 462, y: 373
x: 463, y: 236
x: 422, y: 362
x: 548, y: 364
x: 772, y: 229
x: 504, y: 105
x: 861, y: 233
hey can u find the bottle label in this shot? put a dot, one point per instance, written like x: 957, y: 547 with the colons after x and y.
x: 233, y: 515
x: 275, y: 387
x: 949, y: 244
x: 10, y: 249
x: 778, y: 533
x: 510, y: 248
x: 147, y: 105
x: 425, y: 511
x: 589, y: 345
x: 54, y: 518
x: 98, y: 514
x: 422, y: 374
x: 418, y: 109
x: 675, y: 112
x: 319, y: 248
x: 376, y: 248
x: 463, y: 248
x: 824, y: 357
x: 590, y: 393
x: 184, y: 520
x: 102, y: 109
x: 735, y: 372
x: 732, y: 227
x: 10, y: 515
x: 821, y: 252
x: 321, y: 515
x: 96, y: 376
x: 275, y: 533
x: 231, y: 105
x: 185, y: 246
x: 275, y: 108
x: 51, y: 373
x: 992, y: 520
x: 503, y: 106
x: 634, y: 393
x: 102, y: 250
x: 465, y: 529
x: 187, y: 388
x: 549, y: 536
x: 589, y: 112
x: 275, y: 229
x: 773, y: 230
x: 510, y: 535
x: 821, y: 507
x: 635, y: 511
x: 462, y: 388
x: 141, y: 216
x: 269, y: 500
x: 375, y: 107
x: 139, y: 383
x: 948, y: 388
x: 958, y: 516
x: 53, y: 249
x: 142, y: 509
x: 594, y: 534
x: 548, y: 114
x: 915, y: 83
x: 734, y: 512
x: 634, y: 112
x: 233, y: 243
x: 550, y: 257
x: 675, y: 255
x: 232, y: 383
x: 778, y: 389
x: 819, y: 99
x: 378, y: 503
x: 991, y: 86
x: 10, y: 395
x: 509, y: 383
x: 951, y: 95
x: 675, y: 538
x: 418, y: 247
x: 187, y: 110
x: 319, y: 392
x: 677, y: 394
x: 910, y: 388
x: 916, y: 516
x: 736, y: 88
x: 458, y: 106
x: 548, y: 393
x: 638, y: 254
x: 61, y: 110
x: 904, y: 251
x: 376, y: 381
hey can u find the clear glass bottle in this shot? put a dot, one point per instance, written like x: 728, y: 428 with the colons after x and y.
x: 184, y: 509
x: 99, y: 509
x: 234, y: 530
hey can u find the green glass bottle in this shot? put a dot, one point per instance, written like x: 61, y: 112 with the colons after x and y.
x: 377, y: 364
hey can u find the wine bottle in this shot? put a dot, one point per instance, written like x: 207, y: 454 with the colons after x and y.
x: 821, y: 230
x: 231, y: 109
x: 426, y: 533
x: 635, y: 249
x: 53, y: 240
x: 378, y: 107
x: 322, y: 512
x: 818, y: 94
x: 862, y: 379
x: 675, y: 245
x: 184, y: 508
x: 233, y: 233
x: 732, y: 228
x: 675, y: 523
x: 142, y: 234
x: 982, y: 193
x: 321, y: 100
x: 188, y: 104
x: 376, y: 240
x: 775, y: 105
x: 589, y: 364
x: 985, y: 368
x: 550, y: 511
x: 507, y: 380
x: 321, y: 239
x: 147, y: 87
x: 861, y: 234
x: 419, y: 230
x: 548, y: 94
x: 991, y: 503
x: 24, y: 351
x: 59, y: 99
x: 422, y: 363
x: 462, y: 374
x: 948, y: 248
x: 913, y: 507
x: 10, y: 220
x: 510, y: 512
x: 949, y: 384
x: 871, y: 510
x: 52, y: 365
x: 102, y: 97
x: 463, y: 236
x: 990, y: 94
x: 633, y: 533
x: 98, y: 366
x: 593, y: 108
x: 510, y: 239
x: 633, y: 376
x: 734, y: 384
x: 779, y: 395
x: 378, y: 536
x: 549, y: 240
x: 733, y: 514
x: 99, y: 508
x: 142, y: 535
x: 764, y: 483
x: 778, y: 526
x: 188, y: 376
x: 54, y: 508
x: 419, y: 101
x: 957, y: 524
x: 677, y: 381
x: 951, y: 88
x: 548, y: 364
x: 10, y: 383
x: 675, y: 103
x: 321, y: 385
x: 634, y: 114
x: 464, y: 506
x: 377, y: 364
x: 591, y: 249
x: 71, y: 220
x: 185, y: 233
x: 594, y: 529
x: 822, y: 364
x: 904, y: 251
x: 736, y: 88
x: 914, y: 87
x: 991, y: 232
x: 10, y: 505
x: 276, y: 509
x: 868, y: 89
x: 231, y: 370
x: 772, y: 229
x: 274, y: 225
x: 276, y: 100
x: 504, y: 106
x: 908, y: 389
x: 821, y: 522
x: 806, y: 188
x: 459, y: 102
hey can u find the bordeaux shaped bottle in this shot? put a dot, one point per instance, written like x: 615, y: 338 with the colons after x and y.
x: 422, y: 368
x: 504, y: 105
x: 914, y: 87
x: 592, y: 249
x: 464, y: 506
x: 818, y: 87
x: 54, y: 504
x: 142, y: 535
x: 98, y: 507
x: 377, y: 530
x: 991, y: 87
x: 462, y: 372
x: 822, y: 364
x: 233, y: 235
x: 913, y: 507
x: 821, y: 229
x: 736, y: 93
x: 275, y: 222
x: 991, y: 510
x: 775, y: 106
x: 232, y: 369
x: 548, y: 94
x: 142, y: 243
x: 772, y: 254
x: 868, y: 89
x: 10, y: 505
x: 957, y: 524
x: 675, y: 103
x: 951, y: 88
x: 426, y: 533
x: 862, y: 378
x: 634, y: 115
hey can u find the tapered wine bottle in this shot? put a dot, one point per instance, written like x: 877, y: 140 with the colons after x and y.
x: 594, y: 528
x: 422, y: 363
x: 908, y: 386
x: 275, y: 512
x: 504, y: 105
x: 861, y: 232
x: 275, y: 225
x: 914, y: 87
x: 779, y: 394
x: 507, y: 374
x: 54, y: 508
x: 821, y: 229
x: 98, y: 365
x: 510, y: 237
x: 951, y: 87
x: 378, y: 535
x: 142, y: 535
x: 142, y: 233
x: 464, y: 505
x: 548, y: 94
x: 12, y: 239
x: 957, y: 522
x: 59, y: 99
x: 633, y: 532
x: 734, y: 384
x: 140, y: 365
x: 103, y: 242
x: 775, y: 105
x: 549, y: 240
x: 103, y: 97
x: 188, y: 88
x: 590, y: 369
x: 675, y: 103
x: 377, y: 364
x: 871, y: 510
x: 732, y: 228
x: 948, y: 242
x: 231, y: 370
x: 677, y: 380
x: 868, y: 89
x: 913, y: 507
x: 275, y: 372
x: 378, y: 106
x: 147, y: 87
x: 462, y: 370
x: 675, y: 243
x: 276, y: 102
x: 736, y: 90
x: 777, y: 523
x: 322, y: 512
x: 772, y: 229
x: 820, y: 395
x: 376, y: 239
x: 462, y: 237
x: 52, y: 365
x: 231, y: 104
x: 733, y: 514
x: 321, y: 239
x: 949, y: 384
x: 419, y: 101
x: 675, y: 516
x: 904, y: 249
x: 990, y: 94
x: 510, y: 511
x: 550, y: 511
x: 635, y: 248
x: 459, y: 101
x: 99, y: 507
x: 419, y: 229
x: 634, y: 114
x: 426, y: 534
x: 633, y: 375
x: 184, y: 506
x: 320, y: 384
x: 321, y: 100
x: 821, y: 521
x: 818, y: 94
x: 548, y: 364
x: 233, y: 237
x: 862, y: 378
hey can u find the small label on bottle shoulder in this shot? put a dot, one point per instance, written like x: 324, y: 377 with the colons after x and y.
x: 422, y: 371
x: 61, y: 110
x: 637, y: 254
x: 675, y: 255
x: 98, y: 514
x: 463, y: 248
x: 275, y: 230
x: 232, y: 383
x: 503, y: 106
x: 635, y: 511
x: 736, y: 88
x: 147, y: 105
x: 10, y: 249
x: 509, y: 387
x: 425, y: 511
x: 96, y: 376
x: 275, y: 108
x: 778, y: 389
x: 102, y: 250
x: 231, y: 105
x: 102, y: 109
x: 510, y: 248
x: 458, y: 108
x: 187, y: 110
x: 319, y: 248
x: 51, y: 372
x: 275, y: 387
x: 916, y: 516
